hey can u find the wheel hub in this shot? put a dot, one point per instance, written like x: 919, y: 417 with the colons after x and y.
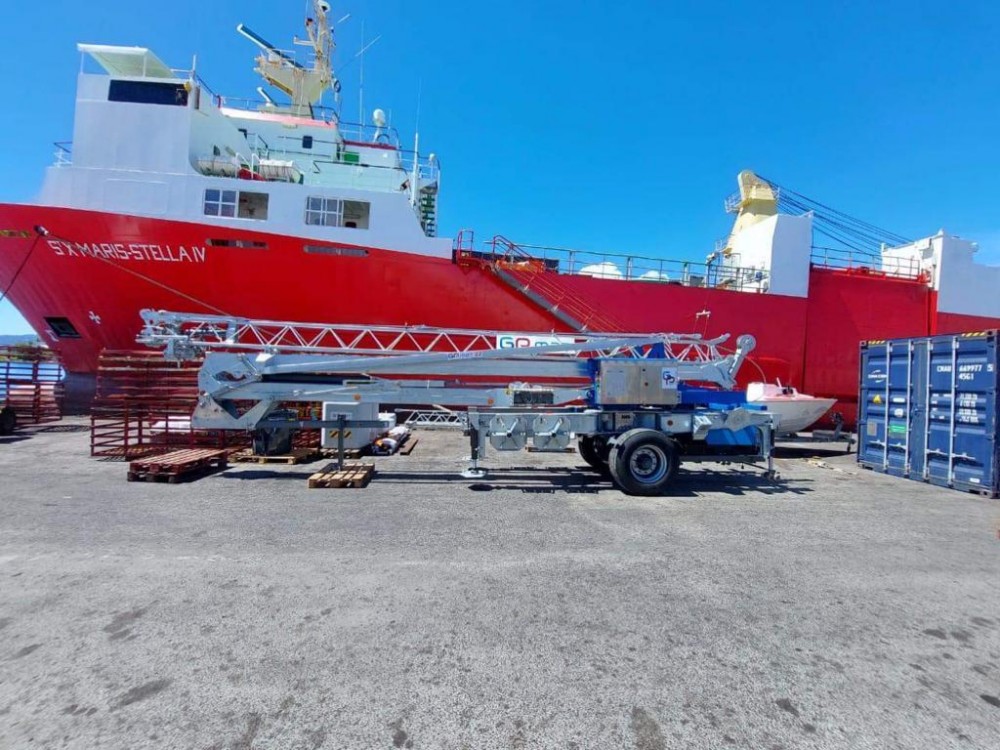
x: 648, y: 464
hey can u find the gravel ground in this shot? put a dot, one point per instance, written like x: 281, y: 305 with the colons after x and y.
x: 538, y: 608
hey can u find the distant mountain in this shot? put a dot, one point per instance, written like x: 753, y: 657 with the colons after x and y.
x: 24, y: 338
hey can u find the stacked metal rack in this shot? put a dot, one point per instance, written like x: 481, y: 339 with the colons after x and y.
x: 143, y: 406
x: 31, y: 384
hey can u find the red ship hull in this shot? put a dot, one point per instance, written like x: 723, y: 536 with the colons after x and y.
x: 97, y: 270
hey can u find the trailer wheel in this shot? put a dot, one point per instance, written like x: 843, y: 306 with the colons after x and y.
x: 8, y: 421
x: 594, y: 449
x: 644, y: 462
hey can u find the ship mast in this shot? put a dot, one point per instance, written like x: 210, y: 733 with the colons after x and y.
x: 305, y: 86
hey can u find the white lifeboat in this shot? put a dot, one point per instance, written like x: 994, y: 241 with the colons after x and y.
x: 219, y: 166
x: 279, y: 170
x: 794, y: 411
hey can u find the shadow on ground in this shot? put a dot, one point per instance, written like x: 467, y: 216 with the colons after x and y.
x: 810, y: 451
x: 15, y: 438
x: 552, y: 480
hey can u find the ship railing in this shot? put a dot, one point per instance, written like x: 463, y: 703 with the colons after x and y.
x: 192, y: 75
x: 363, y: 135
x: 246, y: 104
x: 866, y: 262
x: 465, y: 242
x: 733, y: 203
x: 428, y: 169
x: 313, y: 161
x: 351, y: 131
x: 64, y: 153
x: 721, y: 272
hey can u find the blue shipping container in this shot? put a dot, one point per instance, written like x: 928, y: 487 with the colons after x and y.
x: 928, y: 410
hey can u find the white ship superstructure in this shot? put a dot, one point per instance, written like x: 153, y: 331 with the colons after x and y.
x: 152, y: 141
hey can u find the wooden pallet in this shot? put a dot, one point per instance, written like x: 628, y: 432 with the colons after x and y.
x: 354, y: 475
x: 297, y: 456
x: 349, y: 453
x: 408, y: 445
x: 131, y: 453
x: 172, y: 467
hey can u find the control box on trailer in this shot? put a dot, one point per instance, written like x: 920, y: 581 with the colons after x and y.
x: 624, y: 382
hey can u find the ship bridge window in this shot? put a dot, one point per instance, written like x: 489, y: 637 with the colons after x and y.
x: 253, y: 205
x: 356, y: 214
x: 333, y: 212
x: 236, y: 203
x: 148, y: 92
x: 220, y: 202
x: 323, y: 212
x: 62, y: 328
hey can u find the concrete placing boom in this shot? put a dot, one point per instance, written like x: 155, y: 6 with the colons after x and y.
x: 638, y: 402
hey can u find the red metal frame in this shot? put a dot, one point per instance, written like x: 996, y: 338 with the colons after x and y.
x: 144, y: 404
x: 31, y: 383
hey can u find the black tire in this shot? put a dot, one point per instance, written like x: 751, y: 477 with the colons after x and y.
x: 594, y: 449
x: 8, y: 421
x: 644, y: 462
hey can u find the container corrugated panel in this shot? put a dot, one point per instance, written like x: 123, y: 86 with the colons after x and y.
x: 928, y: 410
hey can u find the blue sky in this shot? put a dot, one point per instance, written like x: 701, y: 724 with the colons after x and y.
x: 603, y: 126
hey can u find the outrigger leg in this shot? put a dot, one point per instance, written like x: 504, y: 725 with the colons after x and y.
x: 474, y: 471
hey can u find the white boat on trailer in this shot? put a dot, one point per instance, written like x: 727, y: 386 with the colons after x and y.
x: 793, y: 411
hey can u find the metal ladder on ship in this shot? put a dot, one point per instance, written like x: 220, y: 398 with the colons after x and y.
x: 530, y: 277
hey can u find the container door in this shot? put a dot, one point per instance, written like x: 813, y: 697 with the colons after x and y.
x: 940, y: 432
x: 963, y: 412
x: 883, y: 426
x: 897, y: 413
x: 918, y: 396
x: 872, y: 405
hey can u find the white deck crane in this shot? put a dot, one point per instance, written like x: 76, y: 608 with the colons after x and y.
x: 640, y: 403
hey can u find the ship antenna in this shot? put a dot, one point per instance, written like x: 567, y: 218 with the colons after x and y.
x: 361, y: 77
x: 360, y: 57
x: 320, y: 33
x: 414, y: 188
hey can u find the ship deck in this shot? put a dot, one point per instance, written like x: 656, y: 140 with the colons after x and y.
x: 536, y: 608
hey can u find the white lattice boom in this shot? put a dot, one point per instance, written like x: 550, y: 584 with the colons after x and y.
x: 186, y: 335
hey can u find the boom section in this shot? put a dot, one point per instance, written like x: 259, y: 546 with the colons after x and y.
x: 264, y: 363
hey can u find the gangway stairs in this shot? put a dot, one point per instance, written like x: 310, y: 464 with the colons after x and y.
x: 530, y: 277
